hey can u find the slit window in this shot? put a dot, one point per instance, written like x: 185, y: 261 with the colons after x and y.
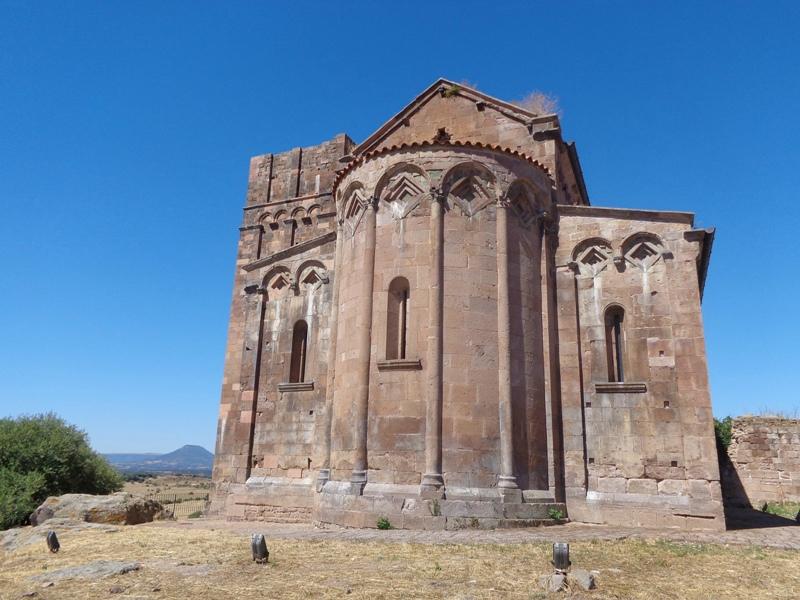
x: 297, y: 373
x: 615, y: 317
x: 397, y: 319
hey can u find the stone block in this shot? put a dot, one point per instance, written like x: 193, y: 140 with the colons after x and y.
x: 671, y: 487
x: 616, y: 485
x: 642, y: 486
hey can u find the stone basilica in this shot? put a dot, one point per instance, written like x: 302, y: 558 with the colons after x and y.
x: 435, y: 327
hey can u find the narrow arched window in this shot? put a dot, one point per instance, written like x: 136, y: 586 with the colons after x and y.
x: 397, y: 319
x: 297, y: 371
x: 615, y: 316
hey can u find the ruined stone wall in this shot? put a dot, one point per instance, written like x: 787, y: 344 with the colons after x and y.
x: 640, y: 450
x: 764, y: 463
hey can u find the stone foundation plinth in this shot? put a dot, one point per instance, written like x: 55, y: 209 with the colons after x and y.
x: 644, y: 510
x: 272, y: 499
x: 479, y: 509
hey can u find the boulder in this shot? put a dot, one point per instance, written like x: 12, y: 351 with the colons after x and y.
x: 582, y: 579
x: 93, y: 570
x: 19, y: 537
x: 553, y: 583
x: 121, y: 508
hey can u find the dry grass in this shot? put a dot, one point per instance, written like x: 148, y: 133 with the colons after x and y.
x: 788, y: 510
x: 179, y: 485
x: 203, y: 564
x: 540, y: 103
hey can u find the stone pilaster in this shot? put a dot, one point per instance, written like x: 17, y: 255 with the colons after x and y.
x: 251, y: 362
x: 432, y: 480
x: 507, y: 483
x: 324, y: 474
x: 358, y: 478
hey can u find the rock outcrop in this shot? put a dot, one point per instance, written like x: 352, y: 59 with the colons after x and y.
x: 121, y: 508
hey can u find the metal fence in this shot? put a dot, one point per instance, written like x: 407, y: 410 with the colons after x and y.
x: 182, y: 506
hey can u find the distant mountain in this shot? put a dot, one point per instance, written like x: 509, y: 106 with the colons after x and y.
x: 190, y: 460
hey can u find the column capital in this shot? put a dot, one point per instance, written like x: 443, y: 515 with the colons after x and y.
x: 437, y: 194
x: 254, y: 289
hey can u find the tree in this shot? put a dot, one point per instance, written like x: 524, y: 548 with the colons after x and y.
x: 41, y: 456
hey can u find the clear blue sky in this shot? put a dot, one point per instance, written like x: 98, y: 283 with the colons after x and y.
x: 126, y: 130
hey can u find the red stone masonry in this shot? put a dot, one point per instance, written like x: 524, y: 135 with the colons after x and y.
x: 423, y: 329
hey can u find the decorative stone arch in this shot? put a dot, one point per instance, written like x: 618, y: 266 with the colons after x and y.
x: 525, y: 201
x: 278, y: 283
x: 471, y: 185
x: 592, y: 256
x: 280, y: 216
x: 311, y: 274
x: 353, y: 205
x: 298, y: 213
x: 402, y: 187
x: 643, y: 250
x: 265, y: 218
x: 314, y: 210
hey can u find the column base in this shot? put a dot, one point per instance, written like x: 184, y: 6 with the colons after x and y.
x: 358, y: 479
x: 323, y: 477
x: 509, y: 490
x: 432, y: 486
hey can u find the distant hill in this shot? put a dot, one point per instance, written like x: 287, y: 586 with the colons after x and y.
x: 190, y: 460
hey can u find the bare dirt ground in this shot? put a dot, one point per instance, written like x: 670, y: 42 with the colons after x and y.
x: 208, y: 559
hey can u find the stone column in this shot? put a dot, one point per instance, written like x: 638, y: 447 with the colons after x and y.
x: 552, y: 366
x: 432, y: 481
x: 324, y: 474
x: 507, y: 482
x: 358, y: 478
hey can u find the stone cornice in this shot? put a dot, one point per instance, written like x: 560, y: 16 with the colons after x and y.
x: 287, y: 201
x: 706, y: 238
x: 438, y: 143
x: 569, y: 210
x: 296, y: 249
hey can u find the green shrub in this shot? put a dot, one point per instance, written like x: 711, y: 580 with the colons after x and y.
x: 723, y: 430
x: 18, y: 496
x: 195, y: 515
x: 555, y: 513
x: 43, y: 456
x: 383, y: 523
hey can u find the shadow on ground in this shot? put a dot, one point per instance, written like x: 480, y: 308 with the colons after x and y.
x: 739, y: 512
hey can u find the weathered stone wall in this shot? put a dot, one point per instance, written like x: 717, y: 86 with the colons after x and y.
x: 284, y: 272
x: 397, y: 394
x: 646, y: 441
x: 501, y: 406
x: 764, y: 463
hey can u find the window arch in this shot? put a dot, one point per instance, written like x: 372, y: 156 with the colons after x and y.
x: 397, y: 319
x: 615, y: 343
x: 297, y: 372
